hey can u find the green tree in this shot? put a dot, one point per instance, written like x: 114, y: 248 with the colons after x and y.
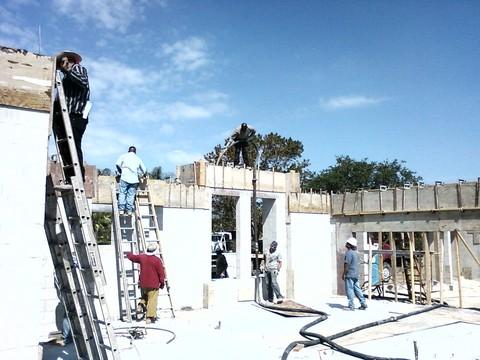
x: 349, y: 174
x: 157, y: 173
x: 102, y: 225
x: 105, y: 172
x: 277, y: 153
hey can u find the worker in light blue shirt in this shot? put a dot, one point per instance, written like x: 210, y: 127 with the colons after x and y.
x: 130, y: 168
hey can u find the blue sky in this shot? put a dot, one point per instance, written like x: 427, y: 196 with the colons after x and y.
x: 370, y: 79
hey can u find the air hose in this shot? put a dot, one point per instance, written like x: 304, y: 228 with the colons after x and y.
x: 317, y: 339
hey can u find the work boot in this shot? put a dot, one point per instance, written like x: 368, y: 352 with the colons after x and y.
x: 150, y: 320
x: 363, y: 307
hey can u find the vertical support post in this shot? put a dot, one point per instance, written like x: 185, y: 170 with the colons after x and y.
x: 459, y: 270
x: 441, y: 263
x: 448, y: 241
x: 411, y: 247
x: 394, y: 263
x: 380, y: 247
x: 369, y: 267
x: 244, y: 236
x: 477, y: 191
x: 428, y: 273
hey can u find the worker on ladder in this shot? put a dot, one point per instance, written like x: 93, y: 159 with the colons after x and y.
x: 77, y: 95
x: 130, y: 168
x: 152, y: 277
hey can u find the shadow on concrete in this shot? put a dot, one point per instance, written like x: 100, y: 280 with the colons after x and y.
x: 56, y: 352
x: 338, y: 306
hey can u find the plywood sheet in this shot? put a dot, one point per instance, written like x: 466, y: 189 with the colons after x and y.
x: 25, y: 79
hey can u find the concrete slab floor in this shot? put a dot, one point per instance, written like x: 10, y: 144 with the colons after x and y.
x: 242, y: 330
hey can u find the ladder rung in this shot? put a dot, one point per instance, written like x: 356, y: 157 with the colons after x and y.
x: 63, y: 187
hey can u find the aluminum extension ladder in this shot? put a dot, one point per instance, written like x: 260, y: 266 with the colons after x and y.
x: 149, y: 232
x: 126, y: 240
x: 75, y: 254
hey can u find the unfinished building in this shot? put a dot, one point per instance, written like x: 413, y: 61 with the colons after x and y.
x: 310, y: 228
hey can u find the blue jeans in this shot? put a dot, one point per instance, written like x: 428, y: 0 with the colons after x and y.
x: 272, y: 285
x: 352, y: 288
x: 126, y: 196
x: 66, y: 331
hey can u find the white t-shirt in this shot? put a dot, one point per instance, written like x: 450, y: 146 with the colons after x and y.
x: 273, y: 259
x: 132, y: 167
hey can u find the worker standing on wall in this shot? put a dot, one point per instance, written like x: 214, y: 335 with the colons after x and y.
x: 77, y: 95
x: 350, y: 275
x: 272, y: 267
x: 240, y: 138
x: 152, y: 277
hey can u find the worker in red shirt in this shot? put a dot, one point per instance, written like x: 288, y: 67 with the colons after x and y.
x: 152, y: 277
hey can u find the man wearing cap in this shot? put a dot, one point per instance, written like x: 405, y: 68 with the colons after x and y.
x: 152, y: 277
x: 240, y: 138
x: 130, y: 168
x: 77, y: 95
x: 350, y: 275
x: 273, y: 266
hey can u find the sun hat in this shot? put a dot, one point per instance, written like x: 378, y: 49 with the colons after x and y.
x: 70, y: 54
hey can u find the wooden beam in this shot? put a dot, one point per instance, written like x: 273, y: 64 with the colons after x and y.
x: 468, y: 247
x: 441, y: 263
x: 394, y: 263
x: 428, y: 273
x: 459, y: 270
x: 369, y: 267
x: 380, y: 263
x: 411, y: 247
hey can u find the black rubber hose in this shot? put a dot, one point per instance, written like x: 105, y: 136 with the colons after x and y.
x: 317, y: 339
x: 150, y: 328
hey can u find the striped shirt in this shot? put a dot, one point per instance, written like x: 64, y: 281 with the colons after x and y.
x: 76, y: 88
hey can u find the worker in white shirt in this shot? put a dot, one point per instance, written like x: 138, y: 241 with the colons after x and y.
x: 130, y: 168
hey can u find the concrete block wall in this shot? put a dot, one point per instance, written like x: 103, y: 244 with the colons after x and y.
x: 312, y: 256
x: 415, y: 198
x: 28, y: 296
x: 204, y: 174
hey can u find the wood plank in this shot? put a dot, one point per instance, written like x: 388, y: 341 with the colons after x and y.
x: 26, y: 79
x: 459, y: 269
x: 428, y: 273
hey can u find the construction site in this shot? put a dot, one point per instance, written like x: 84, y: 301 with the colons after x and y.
x: 419, y: 250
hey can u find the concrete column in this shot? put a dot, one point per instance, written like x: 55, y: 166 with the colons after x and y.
x: 448, y: 247
x: 244, y: 236
x: 362, y: 238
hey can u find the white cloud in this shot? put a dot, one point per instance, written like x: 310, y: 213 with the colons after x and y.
x: 109, y: 14
x: 182, y: 110
x: 105, y: 143
x: 183, y: 157
x: 187, y: 55
x: 113, y: 79
x: 348, y: 102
